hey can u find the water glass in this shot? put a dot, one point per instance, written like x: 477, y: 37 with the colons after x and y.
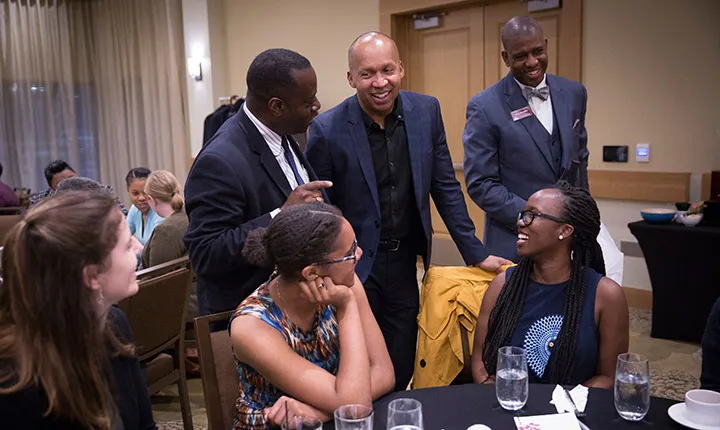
x: 302, y: 423
x: 405, y: 414
x: 511, y: 379
x: 632, y: 386
x: 353, y: 417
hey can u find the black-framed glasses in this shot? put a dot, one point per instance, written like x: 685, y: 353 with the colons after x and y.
x: 528, y: 216
x: 352, y: 256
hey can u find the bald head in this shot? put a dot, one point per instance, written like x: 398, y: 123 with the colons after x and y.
x: 370, y: 41
x: 525, y: 50
x: 376, y: 72
x: 520, y: 27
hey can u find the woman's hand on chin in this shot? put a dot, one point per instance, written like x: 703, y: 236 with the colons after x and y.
x: 324, y: 291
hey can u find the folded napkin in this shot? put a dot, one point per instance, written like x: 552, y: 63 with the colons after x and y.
x: 579, y: 395
x: 548, y: 422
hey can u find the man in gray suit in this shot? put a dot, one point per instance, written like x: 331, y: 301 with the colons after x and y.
x: 522, y: 134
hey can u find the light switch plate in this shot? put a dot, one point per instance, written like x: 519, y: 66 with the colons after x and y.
x: 642, y: 153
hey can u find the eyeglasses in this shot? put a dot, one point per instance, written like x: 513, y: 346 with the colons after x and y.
x: 527, y: 217
x: 352, y: 256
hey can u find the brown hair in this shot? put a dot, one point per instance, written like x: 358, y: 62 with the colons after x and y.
x: 164, y: 186
x: 50, y: 329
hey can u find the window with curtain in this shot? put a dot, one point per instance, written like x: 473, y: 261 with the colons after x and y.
x: 74, y: 138
x: 99, y: 84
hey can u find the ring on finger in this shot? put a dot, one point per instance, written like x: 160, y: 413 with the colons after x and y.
x: 318, y: 198
x: 322, y: 285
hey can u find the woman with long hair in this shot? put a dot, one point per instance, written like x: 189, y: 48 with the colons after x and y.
x: 165, y: 197
x: 141, y: 218
x: 289, y: 334
x: 556, y: 303
x: 66, y: 354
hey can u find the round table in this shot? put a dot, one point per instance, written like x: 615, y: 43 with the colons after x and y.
x: 460, y: 406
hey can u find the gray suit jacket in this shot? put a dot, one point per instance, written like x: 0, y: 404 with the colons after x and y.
x: 507, y: 161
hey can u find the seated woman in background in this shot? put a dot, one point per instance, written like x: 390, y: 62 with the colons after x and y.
x: 141, y: 219
x: 165, y: 198
x: 556, y: 304
x: 66, y: 357
x: 289, y: 334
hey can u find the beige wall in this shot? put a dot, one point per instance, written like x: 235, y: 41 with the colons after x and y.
x: 321, y: 30
x: 650, y: 68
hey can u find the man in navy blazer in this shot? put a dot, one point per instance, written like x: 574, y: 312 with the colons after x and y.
x: 246, y: 174
x: 522, y: 134
x: 385, y: 152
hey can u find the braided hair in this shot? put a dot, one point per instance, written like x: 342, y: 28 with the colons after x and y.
x: 582, y: 213
x: 296, y: 238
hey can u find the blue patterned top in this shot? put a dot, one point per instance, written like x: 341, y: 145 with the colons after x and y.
x: 320, y: 346
x: 134, y: 220
x: 540, y: 323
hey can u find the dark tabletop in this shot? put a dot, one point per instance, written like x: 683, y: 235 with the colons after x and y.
x: 458, y: 407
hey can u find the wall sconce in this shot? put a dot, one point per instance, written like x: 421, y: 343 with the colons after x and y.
x: 195, y: 68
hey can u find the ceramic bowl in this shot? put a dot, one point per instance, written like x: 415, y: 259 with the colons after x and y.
x: 691, y: 220
x: 658, y: 215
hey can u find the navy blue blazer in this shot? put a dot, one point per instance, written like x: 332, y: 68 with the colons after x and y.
x: 233, y: 185
x: 339, y: 151
x: 507, y: 161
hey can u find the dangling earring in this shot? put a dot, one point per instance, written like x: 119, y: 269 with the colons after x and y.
x: 560, y: 237
x: 100, y: 300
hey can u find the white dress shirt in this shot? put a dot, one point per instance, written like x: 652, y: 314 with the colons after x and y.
x: 274, y: 141
x: 541, y: 108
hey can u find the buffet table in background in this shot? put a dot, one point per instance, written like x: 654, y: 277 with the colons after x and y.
x: 684, y: 267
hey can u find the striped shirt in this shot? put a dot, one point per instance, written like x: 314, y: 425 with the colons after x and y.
x: 274, y: 141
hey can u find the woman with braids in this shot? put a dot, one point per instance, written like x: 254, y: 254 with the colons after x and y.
x: 288, y: 335
x: 556, y: 304
x: 66, y: 357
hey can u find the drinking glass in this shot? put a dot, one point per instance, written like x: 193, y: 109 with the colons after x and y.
x: 302, y: 423
x: 511, y: 379
x: 632, y: 386
x: 405, y: 414
x: 353, y: 417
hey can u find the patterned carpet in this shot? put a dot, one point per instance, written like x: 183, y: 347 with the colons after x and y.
x: 674, y: 366
x: 177, y: 425
x: 674, y: 369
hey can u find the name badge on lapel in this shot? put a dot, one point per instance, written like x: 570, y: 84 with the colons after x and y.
x: 519, y: 114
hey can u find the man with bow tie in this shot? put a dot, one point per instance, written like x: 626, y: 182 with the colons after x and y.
x: 522, y: 134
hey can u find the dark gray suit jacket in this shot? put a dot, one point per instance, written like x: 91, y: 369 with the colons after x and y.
x: 507, y: 161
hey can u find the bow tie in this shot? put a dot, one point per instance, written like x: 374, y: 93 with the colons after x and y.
x: 541, y: 93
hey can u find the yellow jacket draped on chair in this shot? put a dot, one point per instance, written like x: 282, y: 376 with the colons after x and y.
x: 450, y: 299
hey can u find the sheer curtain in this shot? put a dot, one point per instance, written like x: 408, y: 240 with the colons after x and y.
x: 140, y: 61
x: 47, y: 98
x: 97, y: 83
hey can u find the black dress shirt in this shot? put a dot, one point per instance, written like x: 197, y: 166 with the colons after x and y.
x: 391, y: 160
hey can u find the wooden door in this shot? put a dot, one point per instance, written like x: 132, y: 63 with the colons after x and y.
x: 460, y: 58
